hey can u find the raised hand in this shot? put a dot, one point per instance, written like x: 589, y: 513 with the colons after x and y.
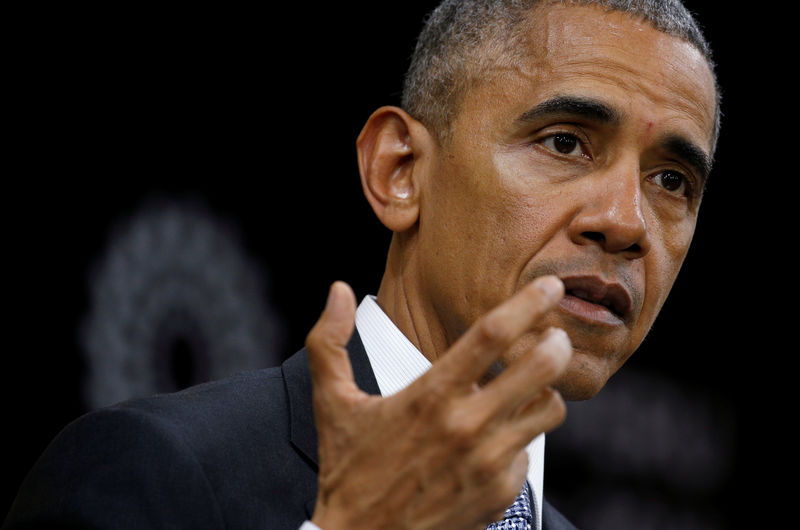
x: 445, y: 452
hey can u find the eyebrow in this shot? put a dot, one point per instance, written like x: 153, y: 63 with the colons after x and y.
x: 688, y: 152
x: 598, y: 111
x: 572, y: 106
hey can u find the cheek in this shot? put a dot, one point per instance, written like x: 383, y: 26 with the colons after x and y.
x: 674, y: 241
x: 494, y: 212
x: 527, y: 224
x: 663, y: 264
x: 532, y: 210
x: 484, y: 241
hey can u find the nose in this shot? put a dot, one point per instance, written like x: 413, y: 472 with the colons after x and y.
x: 612, y: 215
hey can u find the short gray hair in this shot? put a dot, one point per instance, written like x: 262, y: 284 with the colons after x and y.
x: 449, y: 50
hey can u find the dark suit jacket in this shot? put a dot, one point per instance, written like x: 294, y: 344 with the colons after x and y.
x: 239, y: 453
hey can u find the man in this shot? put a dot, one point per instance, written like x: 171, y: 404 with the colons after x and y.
x: 542, y: 184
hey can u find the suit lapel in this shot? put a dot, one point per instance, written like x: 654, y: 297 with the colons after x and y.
x: 303, y: 431
x: 297, y: 378
x: 553, y: 520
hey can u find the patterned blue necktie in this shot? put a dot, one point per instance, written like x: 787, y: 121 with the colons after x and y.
x: 519, y: 515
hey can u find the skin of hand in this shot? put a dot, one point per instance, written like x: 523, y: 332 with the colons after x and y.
x: 447, y: 452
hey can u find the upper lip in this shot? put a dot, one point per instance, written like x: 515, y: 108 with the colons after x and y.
x: 599, y: 291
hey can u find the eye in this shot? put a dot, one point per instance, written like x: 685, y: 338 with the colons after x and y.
x: 674, y: 182
x: 564, y: 143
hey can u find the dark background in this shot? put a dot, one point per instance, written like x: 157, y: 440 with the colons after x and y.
x: 253, y: 113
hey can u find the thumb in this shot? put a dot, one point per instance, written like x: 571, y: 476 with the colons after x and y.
x: 326, y: 342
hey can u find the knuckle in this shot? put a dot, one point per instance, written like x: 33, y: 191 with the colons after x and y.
x: 509, y: 490
x: 506, y: 489
x: 492, y: 330
x: 461, y: 431
x: 487, y: 469
x: 430, y: 400
x: 321, y: 339
x: 318, y: 341
x: 313, y: 339
x: 502, y: 475
x: 556, y: 411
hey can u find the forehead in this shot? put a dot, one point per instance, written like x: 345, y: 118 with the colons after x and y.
x: 609, y: 55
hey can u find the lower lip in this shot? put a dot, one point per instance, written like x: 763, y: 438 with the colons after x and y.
x: 589, y: 312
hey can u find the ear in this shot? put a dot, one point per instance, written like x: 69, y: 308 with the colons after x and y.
x: 392, y: 147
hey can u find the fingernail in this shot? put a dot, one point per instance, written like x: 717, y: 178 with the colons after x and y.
x: 556, y: 334
x: 552, y: 287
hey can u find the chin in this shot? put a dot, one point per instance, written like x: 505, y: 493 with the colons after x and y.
x: 585, y: 376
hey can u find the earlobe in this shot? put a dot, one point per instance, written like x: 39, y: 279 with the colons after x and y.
x: 390, y: 148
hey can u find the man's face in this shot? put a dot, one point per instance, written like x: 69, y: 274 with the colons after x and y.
x: 586, y: 159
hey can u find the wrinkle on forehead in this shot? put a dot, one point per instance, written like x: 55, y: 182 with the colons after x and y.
x: 560, y: 46
x: 670, y: 93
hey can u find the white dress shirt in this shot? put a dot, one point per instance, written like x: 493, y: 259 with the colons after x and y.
x: 396, y: 363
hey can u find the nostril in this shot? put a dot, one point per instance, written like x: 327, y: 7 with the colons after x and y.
x: 595, y: 236
x: 600, y: 238
x: 634, y: 249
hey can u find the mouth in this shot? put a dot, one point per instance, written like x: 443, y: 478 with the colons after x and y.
x: 592, y: 299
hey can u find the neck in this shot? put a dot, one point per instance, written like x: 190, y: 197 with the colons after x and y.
x: 402, y: 297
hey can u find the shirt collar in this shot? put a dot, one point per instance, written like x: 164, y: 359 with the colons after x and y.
x: 397, y: 363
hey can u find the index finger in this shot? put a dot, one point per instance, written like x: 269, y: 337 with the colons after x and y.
x: 494, y: 333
